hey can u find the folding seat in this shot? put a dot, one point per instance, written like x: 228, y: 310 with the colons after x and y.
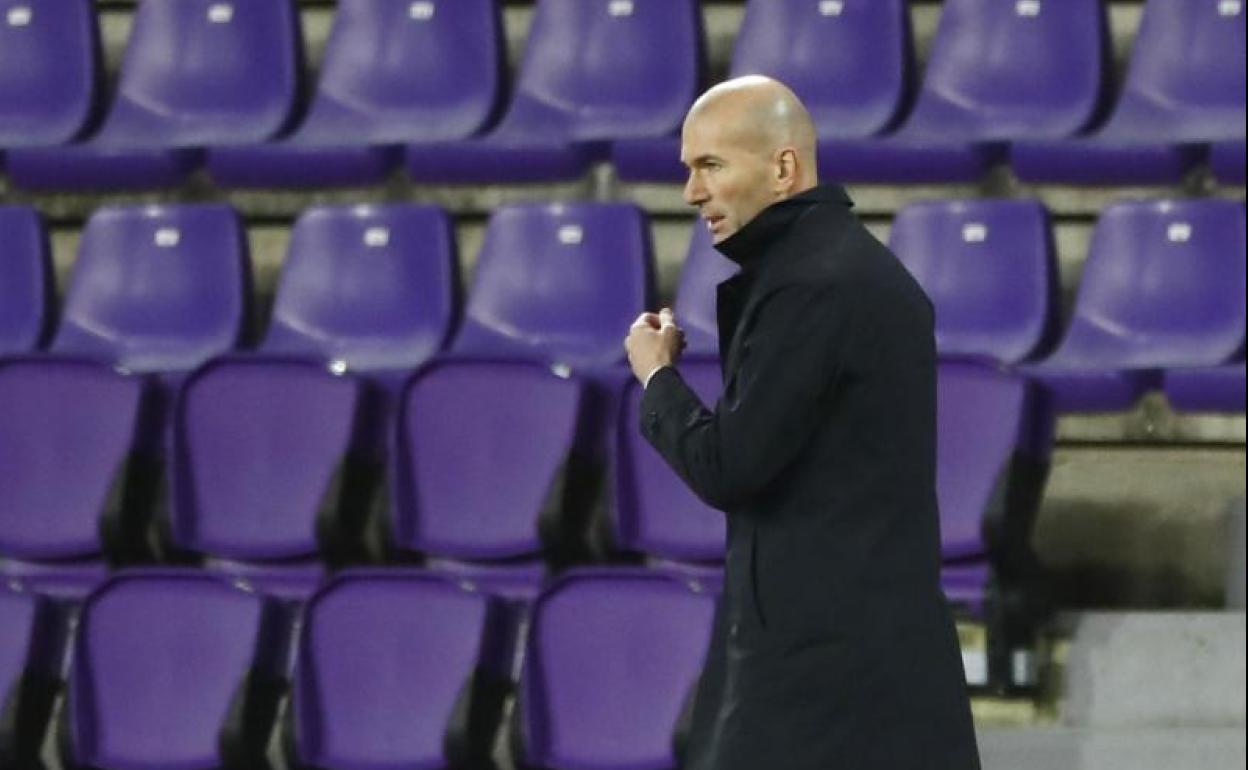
x: 173, y: 668
x: 234, y: 81
x: 155, y: 291
x: 1184, y: 87
x: 989, y: 269
x: 611, y: 659
x: 1227, y: 161
x: 994, y: 440
x: 592, y: 72
x: 1206, y: 389
x: 372, y: 287
x: 850, y: 61
x: 27, y: 288
x: 394, y: 71
x: 1162, y: 288
x: 559, y: 283
x: 397, y: 668
x: 49, y: 65
x: 30, y: 657
x: 262, y: 483
x: 482, y: 475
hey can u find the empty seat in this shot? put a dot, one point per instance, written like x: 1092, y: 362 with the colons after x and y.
x: 592, y: 72
x: 1227, y: 161
x: 394, y: 71
x: 49, y: 64
x: 260, y: 469
x: 655, y: 512
x: 27, y: 288
x: 85, y: 166
x: 994, y: 438
x: 67, y: 428
x: 371, y: 286
x: 398, y: 669
x: 988, y: 268
x: 480, y: 467
x: 157, y: 288
x: 695, y: 307
x: 851, y: 63
x: 1184, y: 86
x: 1163, y: 287
x: 1206, y: 389
x: 611, y: 658
x: 173, y: 669
x: 560, y: 283
x: 30, y: 657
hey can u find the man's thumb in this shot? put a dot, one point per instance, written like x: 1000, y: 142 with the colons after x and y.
x: 666, y: 318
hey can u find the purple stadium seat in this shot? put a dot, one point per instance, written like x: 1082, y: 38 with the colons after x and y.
x: 592, y: 72
x: 49, y: 63
x: 1207, y: 389
x: 372, y: 286
x: 87, y: 167
x: 27, y: 288
x: 480, y: 462
x: 850, y: 62
x: 1184, y: 86
x: 173, y: 669
x: 66, y: 429
x: 612, y: 656
x: 30, y: 657
x: 989, y: 269
x: 1227, y: 161
x: 704, y: 269
x: 394, y: 71
x: 259, y: 469
x: 157, y: 288
x: 397, y: 669
x: 655, y: 512
x: 560, y: 283
x: 994, y: 438
x: 1163, y: 288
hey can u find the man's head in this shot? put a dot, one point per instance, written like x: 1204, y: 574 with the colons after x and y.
x: 747, y: 143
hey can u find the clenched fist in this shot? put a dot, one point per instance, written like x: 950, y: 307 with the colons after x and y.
x: 653, y: 340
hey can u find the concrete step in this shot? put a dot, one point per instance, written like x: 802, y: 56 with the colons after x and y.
x: 1070, y: 748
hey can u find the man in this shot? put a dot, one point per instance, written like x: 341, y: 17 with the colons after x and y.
x: 833, y: 648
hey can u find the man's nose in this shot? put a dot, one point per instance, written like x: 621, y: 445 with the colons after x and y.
x: 694, y: 192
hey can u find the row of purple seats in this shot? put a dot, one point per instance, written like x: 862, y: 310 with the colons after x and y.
x: 614, y: 77
x: 394, y: 668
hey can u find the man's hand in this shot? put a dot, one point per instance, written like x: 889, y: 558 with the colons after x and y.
x: 653, y: 340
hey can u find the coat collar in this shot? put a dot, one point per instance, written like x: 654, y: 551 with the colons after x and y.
x: 747, y: 246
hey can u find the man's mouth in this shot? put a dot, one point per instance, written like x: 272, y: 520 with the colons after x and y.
x: 713, y: 221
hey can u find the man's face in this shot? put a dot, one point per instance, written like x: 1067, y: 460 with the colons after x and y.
x: 730, y: 178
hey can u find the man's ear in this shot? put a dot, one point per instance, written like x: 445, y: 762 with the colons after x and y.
x: 786, y: 170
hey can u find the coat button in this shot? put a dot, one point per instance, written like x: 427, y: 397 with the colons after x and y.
x: 733, y: 629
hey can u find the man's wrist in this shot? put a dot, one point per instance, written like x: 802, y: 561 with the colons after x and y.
x: 654, y: 371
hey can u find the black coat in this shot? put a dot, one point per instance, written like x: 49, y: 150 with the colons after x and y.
x: 833, y: 647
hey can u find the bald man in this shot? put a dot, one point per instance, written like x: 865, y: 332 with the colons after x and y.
x: 833, y: 647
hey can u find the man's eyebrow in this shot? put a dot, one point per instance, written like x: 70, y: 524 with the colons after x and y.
x: 702, y: 160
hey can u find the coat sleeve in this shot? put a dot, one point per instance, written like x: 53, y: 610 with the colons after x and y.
x: 796, y: 351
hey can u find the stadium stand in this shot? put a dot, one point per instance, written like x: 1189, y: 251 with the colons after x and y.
x: 27, y: 288
x: 30, y: 659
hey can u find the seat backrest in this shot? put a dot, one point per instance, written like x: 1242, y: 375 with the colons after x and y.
x: 158, y: 662
x: 234, y: 78
x: 66, y: 429
x: 385, y: 662
x: 609, y: 69
x: 259, y: 445
x: 656, y: 513
x: 408, y: 70
x: 1163, y: 286
x: 49, y: 66
x: 27, y: 287
x: 989, y: 269
x: 1014, y: 70
x: 481, y: 458
x: 29, y: 668
x: 849, y: 61
x: 157, y: 288
x: 559, y: 282
x: 375, y: 286
x: 992, y: 436
x: 638, y: 637
x: 703, y: 271
x: 1185, y: 79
